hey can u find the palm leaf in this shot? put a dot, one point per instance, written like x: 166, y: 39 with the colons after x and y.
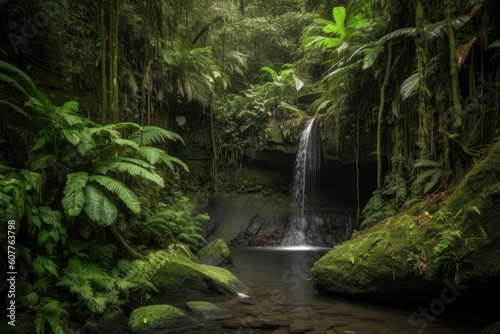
x: 74, y: 198
x: 98, y: 206
x: 124, y: 193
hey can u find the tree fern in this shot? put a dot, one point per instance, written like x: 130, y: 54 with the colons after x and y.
x: 124, y: 193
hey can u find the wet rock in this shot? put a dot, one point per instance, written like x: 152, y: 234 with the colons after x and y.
x: 266, y: 323
x: 205, y: 310
x: 231, y: 323
x: 216, y: 253
x: 492, y: 329
x: 103, y: 323
x: 181, y: 275
x: 160, y: 317
x: 300, y: 326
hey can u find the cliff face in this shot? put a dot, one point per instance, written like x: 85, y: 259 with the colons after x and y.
x: 445, y: 241
x: 253, y: 201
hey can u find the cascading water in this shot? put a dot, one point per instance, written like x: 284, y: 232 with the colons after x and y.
x: 305, y: 183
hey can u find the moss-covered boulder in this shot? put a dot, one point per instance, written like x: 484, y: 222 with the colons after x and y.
x: 216, y: 253
x: 183, y: 276
x: 431, y: 246
x: 205, y: 310
x: 148, y: 319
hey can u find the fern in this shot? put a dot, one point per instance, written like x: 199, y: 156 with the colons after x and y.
x: 134, y: 167
x: 74, y: 198
x: 430, y: 176
x: 124, y: 193
x: 154, y: 135
x: 155, y: 155
x: 98, y: 206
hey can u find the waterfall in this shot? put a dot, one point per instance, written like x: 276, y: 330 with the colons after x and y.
x: 305, y: 183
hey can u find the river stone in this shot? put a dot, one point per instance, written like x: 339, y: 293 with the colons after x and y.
x: 216, y: 253
x: 147, y: 319
x: 266, y: 323
x: 180, y: 275
x: 300, y: 326
x: 205, y: 310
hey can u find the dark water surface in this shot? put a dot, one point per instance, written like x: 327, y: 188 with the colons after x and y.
x: 281, y: 292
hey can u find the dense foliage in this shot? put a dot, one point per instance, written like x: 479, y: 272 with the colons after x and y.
x: 84, y: 168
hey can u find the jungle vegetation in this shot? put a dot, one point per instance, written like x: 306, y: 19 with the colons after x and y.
x: 95, y: 94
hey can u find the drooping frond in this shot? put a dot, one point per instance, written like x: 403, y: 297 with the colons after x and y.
x: 154, y: 135
x: 74, y: 198
x: 98, y: 206
x: 155, y: 155
x: 410, y: 86
x: 134, y: 167
x: 124, y: 193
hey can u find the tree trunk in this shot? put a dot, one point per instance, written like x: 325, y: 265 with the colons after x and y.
x: 424, y: 142
x: 132, y: 252
x: 381, y: 113
x: 457, y: 107
x: 114, y: 24
x: 104, y: 93
x: 213, y: 171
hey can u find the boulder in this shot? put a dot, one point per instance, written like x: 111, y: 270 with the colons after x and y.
x: 180, y: 275
x: 147, y: 319
x: 434, y: 245
x: 216, y: 253
x: 205, y: 310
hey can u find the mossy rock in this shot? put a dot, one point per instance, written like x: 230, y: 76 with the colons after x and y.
x: 183, y: 276
x: 148, y: 319
x: 205, y: 310
x: 412, y: 254
x: 216, y: 253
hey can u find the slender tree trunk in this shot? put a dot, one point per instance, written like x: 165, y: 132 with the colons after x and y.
x: 132, y: 252
x: 213, y: 171
x: 381, y: 114
x: 104, y: 93
x: 358, y: 205
x: 114, y: 24
x: 457, y: 107
x: 424, y: 142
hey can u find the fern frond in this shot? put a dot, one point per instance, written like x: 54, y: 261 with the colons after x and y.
x: 114, y: 186
x: 98, y: 206
x: 427, y: 163
x: 130, y: 166
x: 154, y: 135
x: 154, y: 155
x: 74, y: 198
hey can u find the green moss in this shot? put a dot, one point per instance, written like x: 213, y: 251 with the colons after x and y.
x: 455, y: 242
x: 216, y: 253
x: 148, y: 318
x: 181, y: 275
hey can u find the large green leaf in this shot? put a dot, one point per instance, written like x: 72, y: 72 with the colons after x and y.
x: 123, y: 192
x: 74, y: 198
x: 98, y: 206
